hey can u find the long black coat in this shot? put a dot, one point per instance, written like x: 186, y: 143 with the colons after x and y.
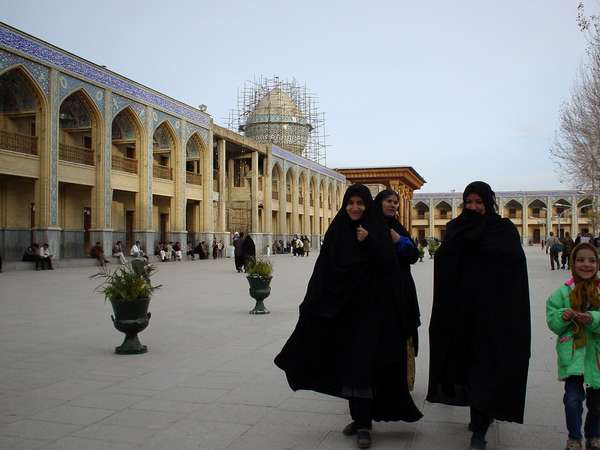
x: 480, y: 330
x: 349, y: 341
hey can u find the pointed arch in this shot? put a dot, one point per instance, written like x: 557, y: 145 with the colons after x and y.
x: 126, y: 151
x: 276, y: 177
x: 165, y: 148
x: 30, y: 130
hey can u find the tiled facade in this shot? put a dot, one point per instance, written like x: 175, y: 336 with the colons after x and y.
x: 72, y: 185
x: 534, y: 213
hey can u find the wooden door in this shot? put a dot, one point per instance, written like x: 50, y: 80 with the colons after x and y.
x: 164, y: 220
x: 129, y: 220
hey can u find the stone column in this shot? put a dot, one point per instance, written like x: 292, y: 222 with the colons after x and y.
x: 525, y: 221
x: 268, y: 194
x: 222, y: 152
x: 306, y: 205
x: 46, y: 188
x: 454, y: 207
x: 549, y: 209
x: 295, y: 204
x: 207, y: 189
x: 144, y: 231
x: 102, y: 192
x: 574, y: 217
x: 316, y: 208
x: 500, y: 202
x: 431, y: 219
x: 179, y: 231
x: 254, y: 191
x: 326, y: 202
x: 283, y: 202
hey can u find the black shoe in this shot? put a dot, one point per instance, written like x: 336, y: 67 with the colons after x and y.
x: 477, y: 442
x: 363, y: 438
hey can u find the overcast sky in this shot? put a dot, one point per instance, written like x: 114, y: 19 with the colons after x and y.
x: 458, y: 90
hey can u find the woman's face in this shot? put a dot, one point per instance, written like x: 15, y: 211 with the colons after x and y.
x: 355, y: 207
x: 475, y: 203
x: 585, y: 264
x: 390, y: 206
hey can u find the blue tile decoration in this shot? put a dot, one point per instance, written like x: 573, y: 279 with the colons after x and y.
x: 289, y: 156
x: 108, y: 194
x: 38, y: 72
x: 47, y: 54
x: 119, y: 103
x: 191, y: 129
x: 150, y: 166
x: 53, y: 178
x: 159, y: 117
x: 68, y: 85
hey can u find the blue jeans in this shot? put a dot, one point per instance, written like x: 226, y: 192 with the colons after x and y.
x: 575, y: 394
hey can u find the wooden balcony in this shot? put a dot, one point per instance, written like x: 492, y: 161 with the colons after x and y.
x: 18, y: 142
x: 76, y: 154
x: 124, y: 164
x: 164, y: 172
x: 193, y: 178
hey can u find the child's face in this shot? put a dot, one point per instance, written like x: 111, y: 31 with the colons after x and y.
x: 585, y: 264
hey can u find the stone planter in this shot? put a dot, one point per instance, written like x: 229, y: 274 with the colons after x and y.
x: 259, y: 290
x: 131, y: 317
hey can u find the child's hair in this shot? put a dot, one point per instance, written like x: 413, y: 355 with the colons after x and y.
x: 585, y: 291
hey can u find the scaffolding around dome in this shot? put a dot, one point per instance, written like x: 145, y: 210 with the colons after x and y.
x: 281, y: 112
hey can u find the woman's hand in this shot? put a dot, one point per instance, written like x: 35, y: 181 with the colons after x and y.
x: 361, y: 233
x: 395, y: 236
x: 583, y: 318
x: 568, y: 315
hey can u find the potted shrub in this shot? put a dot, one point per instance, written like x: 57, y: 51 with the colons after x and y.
x: 129, y: 290
x: 259, y: 273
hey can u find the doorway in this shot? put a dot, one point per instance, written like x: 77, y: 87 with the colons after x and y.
x: 164, y: 220
x: 87, y: 224
x: 129, y: 218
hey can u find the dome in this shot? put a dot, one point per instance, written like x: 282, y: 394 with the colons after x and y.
x: 278, y: 120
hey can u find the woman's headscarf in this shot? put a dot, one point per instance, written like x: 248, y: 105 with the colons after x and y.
x: 484, y: 190
x: 391, y: 222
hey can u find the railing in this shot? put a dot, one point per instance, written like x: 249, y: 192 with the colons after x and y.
x: 193, y: 178
x: 76, y: 154
x: 275, y: 195
x: 159, y: 171
x: 18, y: 142
x: 124, y: 164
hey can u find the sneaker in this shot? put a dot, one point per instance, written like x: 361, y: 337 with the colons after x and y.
x: 363, y: 438
x: 572, y: 444
x: 477, y: 443
x: 593, y: 444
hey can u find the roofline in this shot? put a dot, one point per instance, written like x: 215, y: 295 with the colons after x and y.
x: 412, y: 169
x: 99, y: 67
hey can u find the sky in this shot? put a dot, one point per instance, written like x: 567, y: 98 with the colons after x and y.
x: 460, y: 90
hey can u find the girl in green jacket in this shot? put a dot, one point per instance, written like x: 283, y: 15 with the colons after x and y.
x: 573, y: 313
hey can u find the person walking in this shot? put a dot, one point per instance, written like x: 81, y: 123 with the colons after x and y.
x: 238, y: 252
x: 573, y: 314
x: 386, y: 204
x: 248, y: 251
x: 554, y: 247
x: 567, y: 246
x: 348, y: 341
x: 480, y: 328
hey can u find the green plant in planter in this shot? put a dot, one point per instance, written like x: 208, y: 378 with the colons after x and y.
x: 259, y: 273
x: 129, y: 290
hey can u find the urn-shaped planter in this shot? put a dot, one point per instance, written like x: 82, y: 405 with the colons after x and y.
x: 260, y: 288
x: 131, y: 317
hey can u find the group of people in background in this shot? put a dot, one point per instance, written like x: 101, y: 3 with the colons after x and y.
x: 560, y: 248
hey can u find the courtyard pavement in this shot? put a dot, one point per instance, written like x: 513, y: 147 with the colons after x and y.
x: 208, y: 380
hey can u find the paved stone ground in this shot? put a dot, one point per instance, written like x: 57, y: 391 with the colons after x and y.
x: 208, y: 381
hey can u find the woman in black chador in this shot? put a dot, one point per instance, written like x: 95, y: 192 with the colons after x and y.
x: 386, y: 203
x: 480, y: 330
x: 349, y: 341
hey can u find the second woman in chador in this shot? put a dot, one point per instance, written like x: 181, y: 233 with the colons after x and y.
x: 349, y: 341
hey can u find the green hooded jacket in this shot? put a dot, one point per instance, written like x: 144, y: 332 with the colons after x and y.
x: 574, y: 361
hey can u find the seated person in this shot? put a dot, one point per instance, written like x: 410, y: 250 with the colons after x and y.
x: 45, y: 258
x: 177, y: 251
x: 200, y: 250
x: 97, y: 252
x: 162, y: 252
x: 117, y: 250
x: 190, y: 251
x: 169, y: 251
x: 31, y: 253
x: 137, y: 252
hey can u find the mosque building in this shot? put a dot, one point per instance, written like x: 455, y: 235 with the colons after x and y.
x: 89, y: 155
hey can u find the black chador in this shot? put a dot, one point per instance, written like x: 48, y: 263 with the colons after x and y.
x: 480, y: 330
x: 349, y: 340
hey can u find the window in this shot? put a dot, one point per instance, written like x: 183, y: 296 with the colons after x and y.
x: 512, y: 213
x: 420, y: 213
x: 87, y: 141
x: 535, y: 212
x: 443, y: 213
